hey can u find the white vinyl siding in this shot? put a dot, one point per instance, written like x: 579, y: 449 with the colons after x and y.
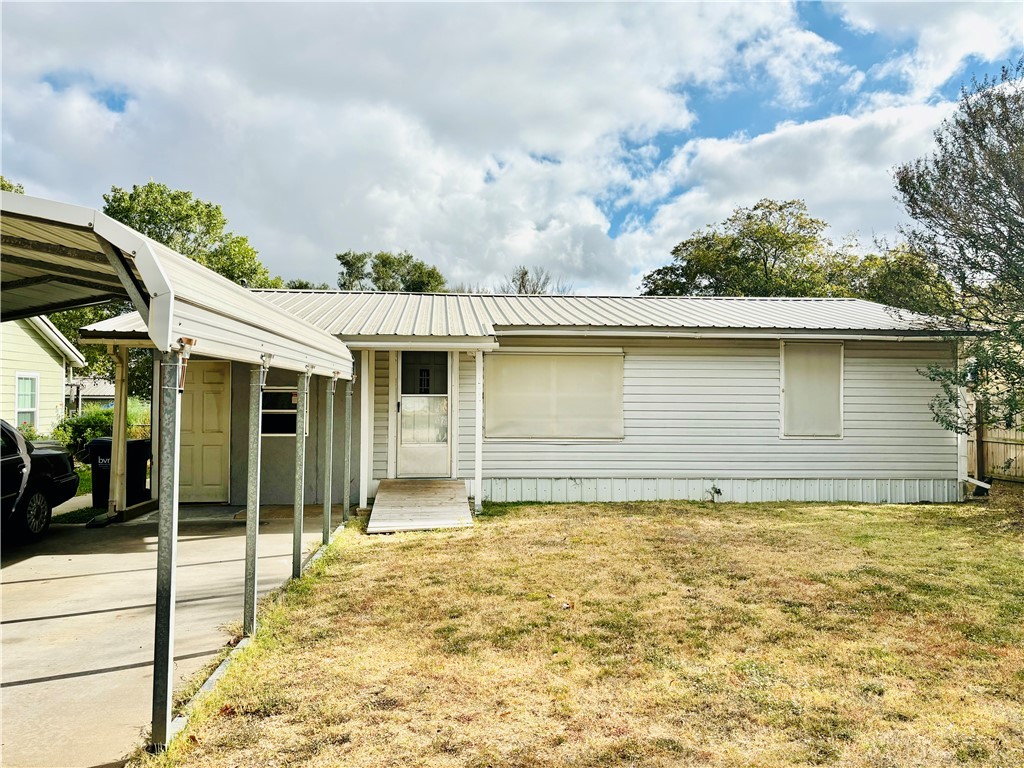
x: 25, y: 350
x: 557, y: 396
x: 812, y: 389
x: 711, y: 409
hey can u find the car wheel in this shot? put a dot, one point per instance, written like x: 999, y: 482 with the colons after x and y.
x: 33, y: 517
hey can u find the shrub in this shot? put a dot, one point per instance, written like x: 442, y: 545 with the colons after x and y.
x: 74, y: 432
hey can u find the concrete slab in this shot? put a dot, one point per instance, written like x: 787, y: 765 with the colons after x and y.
x: 77, y: 627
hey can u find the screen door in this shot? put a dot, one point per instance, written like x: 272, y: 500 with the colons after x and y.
x: 423, y: 448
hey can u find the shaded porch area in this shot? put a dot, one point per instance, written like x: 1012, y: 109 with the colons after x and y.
x: 419, y: 505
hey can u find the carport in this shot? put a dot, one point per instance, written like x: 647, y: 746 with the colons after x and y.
x: 57, y: 256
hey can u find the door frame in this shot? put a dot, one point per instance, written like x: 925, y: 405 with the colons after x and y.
x: 394, y: 394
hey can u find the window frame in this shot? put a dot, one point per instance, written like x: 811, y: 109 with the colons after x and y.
x: 782, y: 391
x: 18, y: 376
x: 560, y: 352
x: 282, y: 411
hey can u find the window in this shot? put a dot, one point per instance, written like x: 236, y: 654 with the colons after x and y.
x: 560, y: 395
x: 812, y: 389
x: 27, y: 409
x: 280, y: 412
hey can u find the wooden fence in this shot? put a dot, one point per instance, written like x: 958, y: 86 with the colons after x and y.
x: 1003, y: 450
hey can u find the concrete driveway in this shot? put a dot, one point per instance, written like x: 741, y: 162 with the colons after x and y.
x: 77, y: 627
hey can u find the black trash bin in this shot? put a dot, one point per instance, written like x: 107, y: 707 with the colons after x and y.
x: 138, y: 455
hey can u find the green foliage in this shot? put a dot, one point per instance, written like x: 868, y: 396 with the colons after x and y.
x: 28, y: 431
x: 778, y: 249
x: 11, y: 186
x: 193, y: 227
x: 306, y: 285
x: 75, y: 431
x: 387, y: 271
x: 967, y: 204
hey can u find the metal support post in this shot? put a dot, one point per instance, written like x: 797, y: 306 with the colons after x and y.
x: 302, y: 406
x: 166, y: 548
x: 478, y: 448
x: 330, y: 387
x: 346, y: 503
x: 257, y: 379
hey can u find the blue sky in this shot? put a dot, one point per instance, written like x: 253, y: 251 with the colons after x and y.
x: 588, y: 139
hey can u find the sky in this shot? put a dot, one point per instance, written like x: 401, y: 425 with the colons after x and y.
x: 588, y: 139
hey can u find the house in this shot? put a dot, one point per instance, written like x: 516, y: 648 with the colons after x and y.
x: 84, y: 391
x: 579, y: 398
x: 35, y: 359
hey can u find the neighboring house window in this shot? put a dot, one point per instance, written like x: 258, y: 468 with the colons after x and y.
x: 27, y: 408
x: 812, y: 389
x: 563, y: 395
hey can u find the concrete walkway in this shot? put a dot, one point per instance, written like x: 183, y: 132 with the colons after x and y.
x: 419, y: 505
x: 78, y: 627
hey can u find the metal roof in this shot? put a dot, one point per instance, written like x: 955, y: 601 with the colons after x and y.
x: 361, y: 314
x: 57, y: 256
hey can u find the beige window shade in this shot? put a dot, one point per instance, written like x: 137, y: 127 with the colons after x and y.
x: 812, y: 389
x: 553, y: 396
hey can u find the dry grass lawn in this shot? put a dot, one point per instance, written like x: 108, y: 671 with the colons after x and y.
x: 647, y: 634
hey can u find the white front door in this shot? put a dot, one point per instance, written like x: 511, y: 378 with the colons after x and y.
x: 205, y: 432
x: 423, y: 444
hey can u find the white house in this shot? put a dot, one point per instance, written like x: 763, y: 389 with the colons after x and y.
x: 617, y: 398
x: 35, y: 359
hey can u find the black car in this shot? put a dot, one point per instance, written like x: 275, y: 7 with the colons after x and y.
x: 35, y: 479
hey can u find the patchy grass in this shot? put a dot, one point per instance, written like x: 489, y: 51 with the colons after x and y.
x: 84, y: 472
x: 650, y: 634
x: 77, y: 516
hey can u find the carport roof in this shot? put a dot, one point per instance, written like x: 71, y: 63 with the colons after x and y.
x: 58, y: 256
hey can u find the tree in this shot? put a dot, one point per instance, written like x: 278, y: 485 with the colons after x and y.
x: 778, y: 249
x: 387, y: 271
x: 306, y: 285
x: 773, y: 249
x: 11, y: 186
x: 532, y: 281
x: 194, y: 228
x: 966, y: 200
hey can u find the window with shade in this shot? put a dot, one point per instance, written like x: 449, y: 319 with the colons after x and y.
x: 27, y: 410
x: 812, y: 389
x: 553, y: 396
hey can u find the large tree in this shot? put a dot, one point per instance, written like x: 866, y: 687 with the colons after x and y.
x: 966, y: 200
x: 776, y: 248
x: 387, y: 271
x: 193, y: 227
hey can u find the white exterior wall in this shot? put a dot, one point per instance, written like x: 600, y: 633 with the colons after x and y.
x: 24, y: 350
x: 706, y: 413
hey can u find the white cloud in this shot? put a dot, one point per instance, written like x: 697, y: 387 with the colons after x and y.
x: 840, y: 166
x: 476, y: 136
x: 944, y: 36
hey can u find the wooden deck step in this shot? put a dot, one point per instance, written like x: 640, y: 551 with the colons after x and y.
x: 419, y: 505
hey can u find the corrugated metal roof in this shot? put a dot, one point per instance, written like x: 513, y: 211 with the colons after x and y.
x: 352, y: 314
x: 57, y: 256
